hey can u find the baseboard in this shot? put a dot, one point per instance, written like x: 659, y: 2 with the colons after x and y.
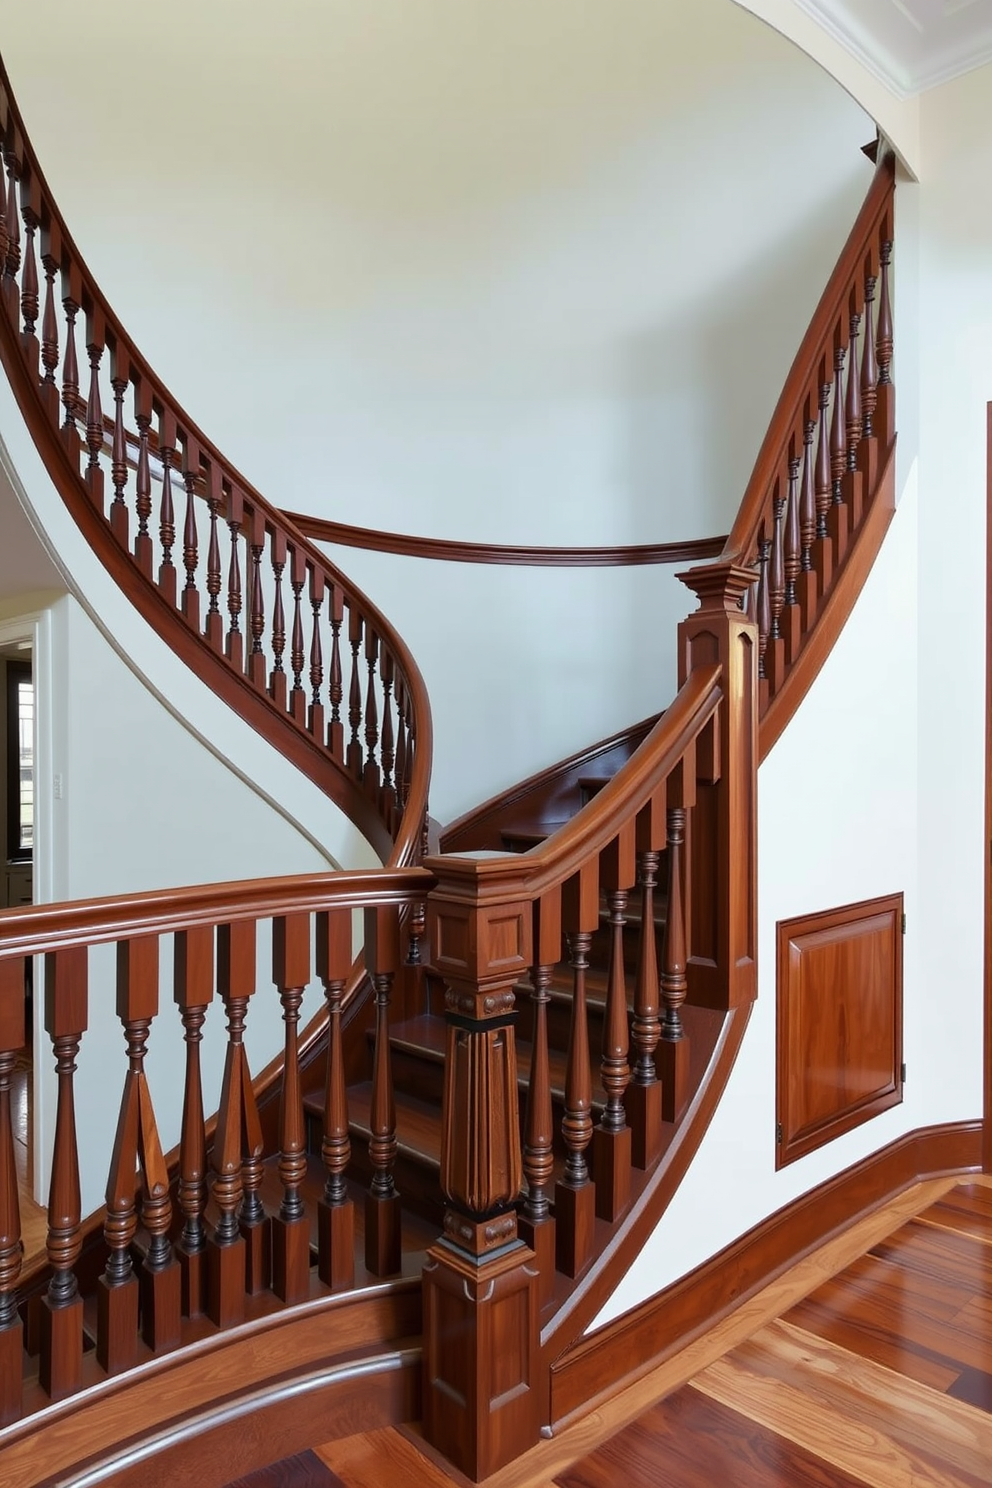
x: 615, y: 1355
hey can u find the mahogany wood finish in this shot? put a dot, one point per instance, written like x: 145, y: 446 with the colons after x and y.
x: 343, y: 534
x: 603, y: 1361
x: 839, y: 1022
x: 160, y: 558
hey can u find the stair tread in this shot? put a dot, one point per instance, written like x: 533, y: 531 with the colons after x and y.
x: 531, y: 832
x: 418, y: 1123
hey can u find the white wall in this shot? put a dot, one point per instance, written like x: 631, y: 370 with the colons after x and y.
x: 511, y: 273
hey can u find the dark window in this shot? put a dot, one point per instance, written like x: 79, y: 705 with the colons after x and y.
x: 20, y: 761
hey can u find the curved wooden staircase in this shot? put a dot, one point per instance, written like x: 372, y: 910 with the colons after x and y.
x: 568, y: 979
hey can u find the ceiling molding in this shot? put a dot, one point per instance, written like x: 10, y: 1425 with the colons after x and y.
x: 941, y: 44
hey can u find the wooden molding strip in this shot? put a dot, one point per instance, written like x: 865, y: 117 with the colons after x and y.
x: 612, y: 1357
x: 450, y: 550
x: 821, y: 639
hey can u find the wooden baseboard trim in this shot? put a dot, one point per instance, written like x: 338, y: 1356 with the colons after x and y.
x: 615, y: 1355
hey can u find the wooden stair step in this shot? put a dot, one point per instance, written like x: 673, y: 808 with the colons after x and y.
x: 522, y: 836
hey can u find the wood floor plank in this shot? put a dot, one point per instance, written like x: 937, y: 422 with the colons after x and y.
x: 305, y: 1470
x: 921, y: 1420
x: 942, y: 1216
x: 974, y: 1387
x: 878, y: 1344
x: 389, y: 1455
x: 860, y: 1448
x: 689, y: 1441
x: 940, y: 1251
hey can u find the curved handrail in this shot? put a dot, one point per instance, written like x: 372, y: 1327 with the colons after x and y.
x: 380, y: 773
x: 449, y: 550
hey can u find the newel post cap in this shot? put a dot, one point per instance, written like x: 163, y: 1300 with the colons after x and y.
x: 719, y: 586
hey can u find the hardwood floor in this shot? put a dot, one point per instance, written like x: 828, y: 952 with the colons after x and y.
x: 869, y: 1364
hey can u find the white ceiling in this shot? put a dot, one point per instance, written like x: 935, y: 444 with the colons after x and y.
x: 909, y: 44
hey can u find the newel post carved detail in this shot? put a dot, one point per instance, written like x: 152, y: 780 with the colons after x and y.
x: 721, y: 969
x: 480, y: 1288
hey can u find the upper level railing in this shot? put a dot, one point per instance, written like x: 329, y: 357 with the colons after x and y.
x: 273, y: 626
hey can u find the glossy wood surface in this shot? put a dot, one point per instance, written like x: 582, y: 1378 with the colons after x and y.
x: 838, y: 1022
x: 449, y: 550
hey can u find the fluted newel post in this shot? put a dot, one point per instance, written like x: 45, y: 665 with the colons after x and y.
x: 481, y: 1398
x: 290, y: 1227
x: 193, y: 992
x: 382, y: 1202
x: 611, y: 1153
x: 12, y: 1038
x: 537, y: 1223
x: 61, y: 1316
x: 335, y: 1211
x: 674, y: 1046
x: 723, y: 836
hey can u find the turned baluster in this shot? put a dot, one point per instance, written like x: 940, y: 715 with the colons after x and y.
x: 167, y: 434
x: 61, y: 1315
x: 355, y: 693
x: 234, y: 645
x: 71, y: 299
x: 226, y: 1248
x: 335, y: 729
x: 143, y: 479
x: 575, y: 1195
x: 806, y: 587
x: 852, y: 407
x: 823, y: 476
x: 612, y: 1139
x: 12, y: 256
x: 537, y: 1224
x: 4, y: 232
x: 193, y: 990
x: 400, y: 744
x: 884, y: 417
x: 290, y: 1227
x: 837, y: 519
x: 191, y: 544
x: 371, y: 771
x: 256, y: 606
x: 382, y: 1202
x: 674, y: 1043
x: 277, y: 676
x: 776, y: 569
x: 869, y: 362
x: 764, y: 605
x: 387, y: 750
x: 49, y: 319
x: 315, y: 714
x: 31, y: 212
x: 12, y: 1039
x: 297, y: 655
x: 792, y: 540
x: 94, y: 407
x: 335, y: 1211
x: 214, y: 626
x: 119, y: 378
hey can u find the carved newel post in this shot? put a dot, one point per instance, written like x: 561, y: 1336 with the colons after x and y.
x: 721, y: 968
x: 480, y: 1286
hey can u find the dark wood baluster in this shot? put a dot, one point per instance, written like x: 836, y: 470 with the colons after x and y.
x: 12, y: 256
x: 869, y: 362
x: 143, y: 479
x: 537, y: 1223
x: 120, y: 373
x: 278, y: 686
x: 254, y: 1222
x: 775, y: 651
x: 94, y: 408
x: 612, y: 1137
x: 71, y: 299
x: 674, y: 1049
x: 30, y: 301
x: 214, y: 627
x: 387, y: 749
x: 335, y: 1211
x: 355, y: 693
x: 335, y: 729
x: 191, y: 543
x: 790, y: 621
x: 643, y: 1099
x: 297, y: 655
x: 290, y: 1227
x: 400, y: 747
x: 256, y: 614
x: 371, y: 770
x: 234, y: 646
x: 167, y: 435
x: 806, y: 589
x: 12, y: 1040
x: 853, y: 477
x: 837, y: 520
x: 61, y: 1314
x: 50, y: 323
x: 226, y: 1264
x: 575, y: 1194
x: 823, y: 549
x: 885, y: 408
x: 382, y: 1202
x: 315, y: 715
x: 4, y: 231
x: 764, y: 607
x: 193, y: 990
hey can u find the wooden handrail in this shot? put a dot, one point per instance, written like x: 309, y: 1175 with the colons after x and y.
x: 449, y: 550
x: 283, y: 659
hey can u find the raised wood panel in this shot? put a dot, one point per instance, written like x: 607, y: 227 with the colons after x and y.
x: 839, y: 1022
